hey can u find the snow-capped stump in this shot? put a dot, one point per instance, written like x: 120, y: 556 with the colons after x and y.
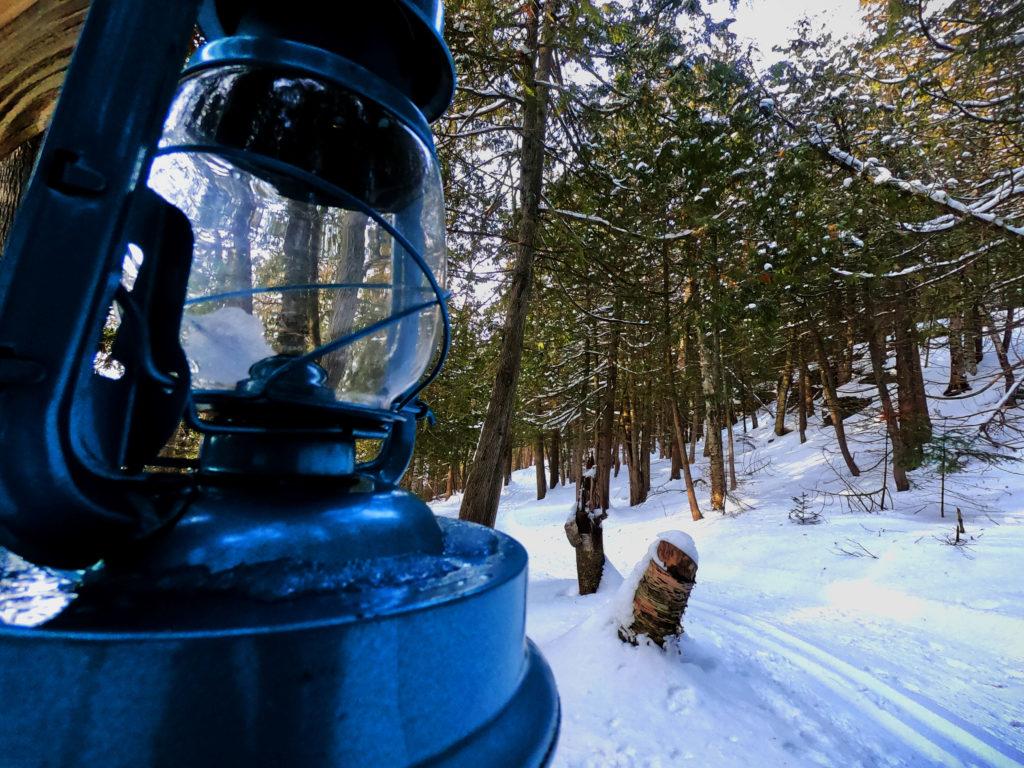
x: 663, y: 589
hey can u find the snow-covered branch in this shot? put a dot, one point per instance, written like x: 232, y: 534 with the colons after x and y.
x: 880, y: 175
x: 598, y: 221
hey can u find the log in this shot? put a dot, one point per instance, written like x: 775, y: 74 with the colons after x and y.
x: 661, y: 596
x: 36, y: 41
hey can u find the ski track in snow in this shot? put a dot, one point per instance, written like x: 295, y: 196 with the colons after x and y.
x: 923, y: 724
x: 796, y: 654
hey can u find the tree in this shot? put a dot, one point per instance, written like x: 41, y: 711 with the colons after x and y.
x: 480, y: 501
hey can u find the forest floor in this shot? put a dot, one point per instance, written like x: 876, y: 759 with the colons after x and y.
x: 865, y: 640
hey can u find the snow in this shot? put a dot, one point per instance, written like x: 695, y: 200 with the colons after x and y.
x: 794, y: 653
x: 883, y: 175
x: 680, y: 540
x: 221, y: 345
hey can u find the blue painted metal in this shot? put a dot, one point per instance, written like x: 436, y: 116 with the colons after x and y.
x: 278, y: 604
x: 439, y: 676
x: 403, y: 39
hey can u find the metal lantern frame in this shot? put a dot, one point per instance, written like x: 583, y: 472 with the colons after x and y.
x: 97, y: 499
x: 317, y: 616
x: 397, y: 424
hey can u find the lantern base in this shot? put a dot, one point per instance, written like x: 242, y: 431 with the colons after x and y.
x: 394, y: 661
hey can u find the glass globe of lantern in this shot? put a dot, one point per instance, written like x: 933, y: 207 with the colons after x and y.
x: 318, y: 225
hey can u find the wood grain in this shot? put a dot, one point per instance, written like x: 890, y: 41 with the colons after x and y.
x: 36, y: 41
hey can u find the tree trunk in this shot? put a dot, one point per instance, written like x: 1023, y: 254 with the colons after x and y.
x: 675, y: 470
x: 782, y: 392
x: 538, y: 459
x: 974, y: 341
x: 661, y: 596
x: 233, y: 254
x: 957, y: 365
x: 506, y: 461
x: 631, y: 445
x: 554, y: 457
x: 563, y: 463
x: 832, y: 401
x: 876, y: 351
x: 350, y: 269
x: 694, y: 433
x: 691, y: 494
x: 606, y: 441
x: 844, y: 371
x: 1002, y: 347
x: 809, y: 394
x: 483, y: 487
x: 299, y: 329
x: 731, y: 448
x: 449, y: 483
x: 915, y: 424
x: 805, y: 385
x: 15, y: 171
x: 712, y: 423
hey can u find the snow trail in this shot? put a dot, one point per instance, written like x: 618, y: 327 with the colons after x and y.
x: 906, y: 653
x: 920, y: 722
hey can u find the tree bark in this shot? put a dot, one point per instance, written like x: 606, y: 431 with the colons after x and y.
x: 1002, y: 347
x: 804, y: 387
x: 974, y: 341
x: 782, y: 392
x: 832, y: 401
x: 712, y: 423
x: 554, y: 457
x: 876, y: 351
x: 730, y: 446
x: 661, y: 596
x: 585, y: 534
x: 449, y: 483
x: 299, y: 329
x: 506, y: 461
x: 483, y: 487
x: 538, y: 459
x: 694, y: 433
x: 957, y: 364
x: 675, y: 469
x: 15, y: 171
x: 350, y: 269
x: 606, y: 441
x: 915, y: 424
x: 844, y: 371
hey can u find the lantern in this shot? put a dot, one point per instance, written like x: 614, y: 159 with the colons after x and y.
x: 256, y: 251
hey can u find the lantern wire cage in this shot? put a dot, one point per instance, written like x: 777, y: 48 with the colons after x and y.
x: 405, y: 401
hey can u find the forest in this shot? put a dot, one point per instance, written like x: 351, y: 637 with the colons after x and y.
x: 764, y: 302
x: 655, y: 238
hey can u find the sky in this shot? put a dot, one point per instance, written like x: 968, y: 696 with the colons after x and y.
x: 768, y: 22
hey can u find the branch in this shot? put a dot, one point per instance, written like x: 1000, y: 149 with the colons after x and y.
x: 978, y: 211
x: 577, y: 216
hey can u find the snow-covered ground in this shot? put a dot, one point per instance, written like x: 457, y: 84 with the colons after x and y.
x: 861, y: 641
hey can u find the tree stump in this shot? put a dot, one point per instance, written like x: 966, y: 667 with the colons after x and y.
x: 583, y: 529
x: 661, y: 596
